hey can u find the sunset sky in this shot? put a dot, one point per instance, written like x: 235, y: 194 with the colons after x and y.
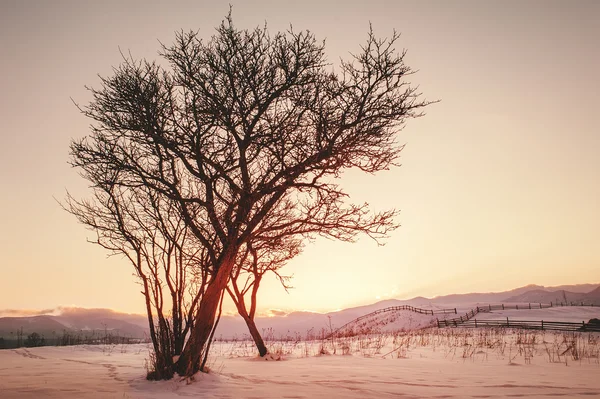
x: 499, y: 185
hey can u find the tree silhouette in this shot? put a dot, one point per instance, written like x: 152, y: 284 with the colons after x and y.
x: 34, y: 339
x: 256, y: 259
x: 142, y: 226
x: 244, y: 136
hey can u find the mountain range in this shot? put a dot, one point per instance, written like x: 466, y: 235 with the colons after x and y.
x: 82, y: 321
x: 103, y: 321
x: 507, y: 296
x: 558, y: 296
x: 303, y: 323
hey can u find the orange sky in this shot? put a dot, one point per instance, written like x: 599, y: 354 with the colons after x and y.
x: 500, y: 182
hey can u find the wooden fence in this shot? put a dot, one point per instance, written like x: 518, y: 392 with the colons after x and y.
x: 470, y: 314
x: 393, y: 309
x: 468, y: 319
x: 522, y: 324
x: 556, y: 304
x: 533, y: 306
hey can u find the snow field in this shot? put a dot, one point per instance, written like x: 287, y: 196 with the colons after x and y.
x: 450, y: 363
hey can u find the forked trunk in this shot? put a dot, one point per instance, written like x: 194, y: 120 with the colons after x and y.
x: 258, y: 340
x: 188, y: 363
x: 240, y: 304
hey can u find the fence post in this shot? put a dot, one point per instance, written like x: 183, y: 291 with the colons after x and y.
x: 490, y: 306
x: 475, y: 323
x: 542, y: 324
x: 507, y: 324
x: 502, y: 306
x: 540, y: 305
x: 517, y: 307
x: 454, y: 310
x: 529, y: 306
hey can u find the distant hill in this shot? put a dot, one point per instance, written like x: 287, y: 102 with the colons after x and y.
x: 79, y: 321
x: 503, y: 296
x: 541, y: 296
x: 100, y: 321
x: 43, y: 325
x: 482, y: 297
x: 299, y: 323
x: 581, y: 288
x: 307, y: 322
x: 130, y: 325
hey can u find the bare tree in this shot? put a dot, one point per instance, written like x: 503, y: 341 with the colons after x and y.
x: 243, y: 124
x: 257, y: 259
x: 140, y: 225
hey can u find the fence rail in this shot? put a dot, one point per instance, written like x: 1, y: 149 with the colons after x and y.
x: 468, y: 319
x: 522, y: 324
x: 393, y: 309
x: 489, y: 308
x: 534, y: 305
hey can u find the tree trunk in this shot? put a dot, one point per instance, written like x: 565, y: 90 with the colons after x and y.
x: 260, y: 344
x: 188, y: 363
x: 241, y: 307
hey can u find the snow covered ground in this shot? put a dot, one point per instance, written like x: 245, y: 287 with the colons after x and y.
x: 567, y: 314
x: 442, y: 363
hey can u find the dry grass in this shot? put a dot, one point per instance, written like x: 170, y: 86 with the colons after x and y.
x: 513, y: 346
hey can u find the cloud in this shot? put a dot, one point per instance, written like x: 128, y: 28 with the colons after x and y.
x: 68, y: 311
x: 272, y: 313
x: 276, y: 312
x: 76, y: 311
x: 229, y: 313
x: 26, y: 312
